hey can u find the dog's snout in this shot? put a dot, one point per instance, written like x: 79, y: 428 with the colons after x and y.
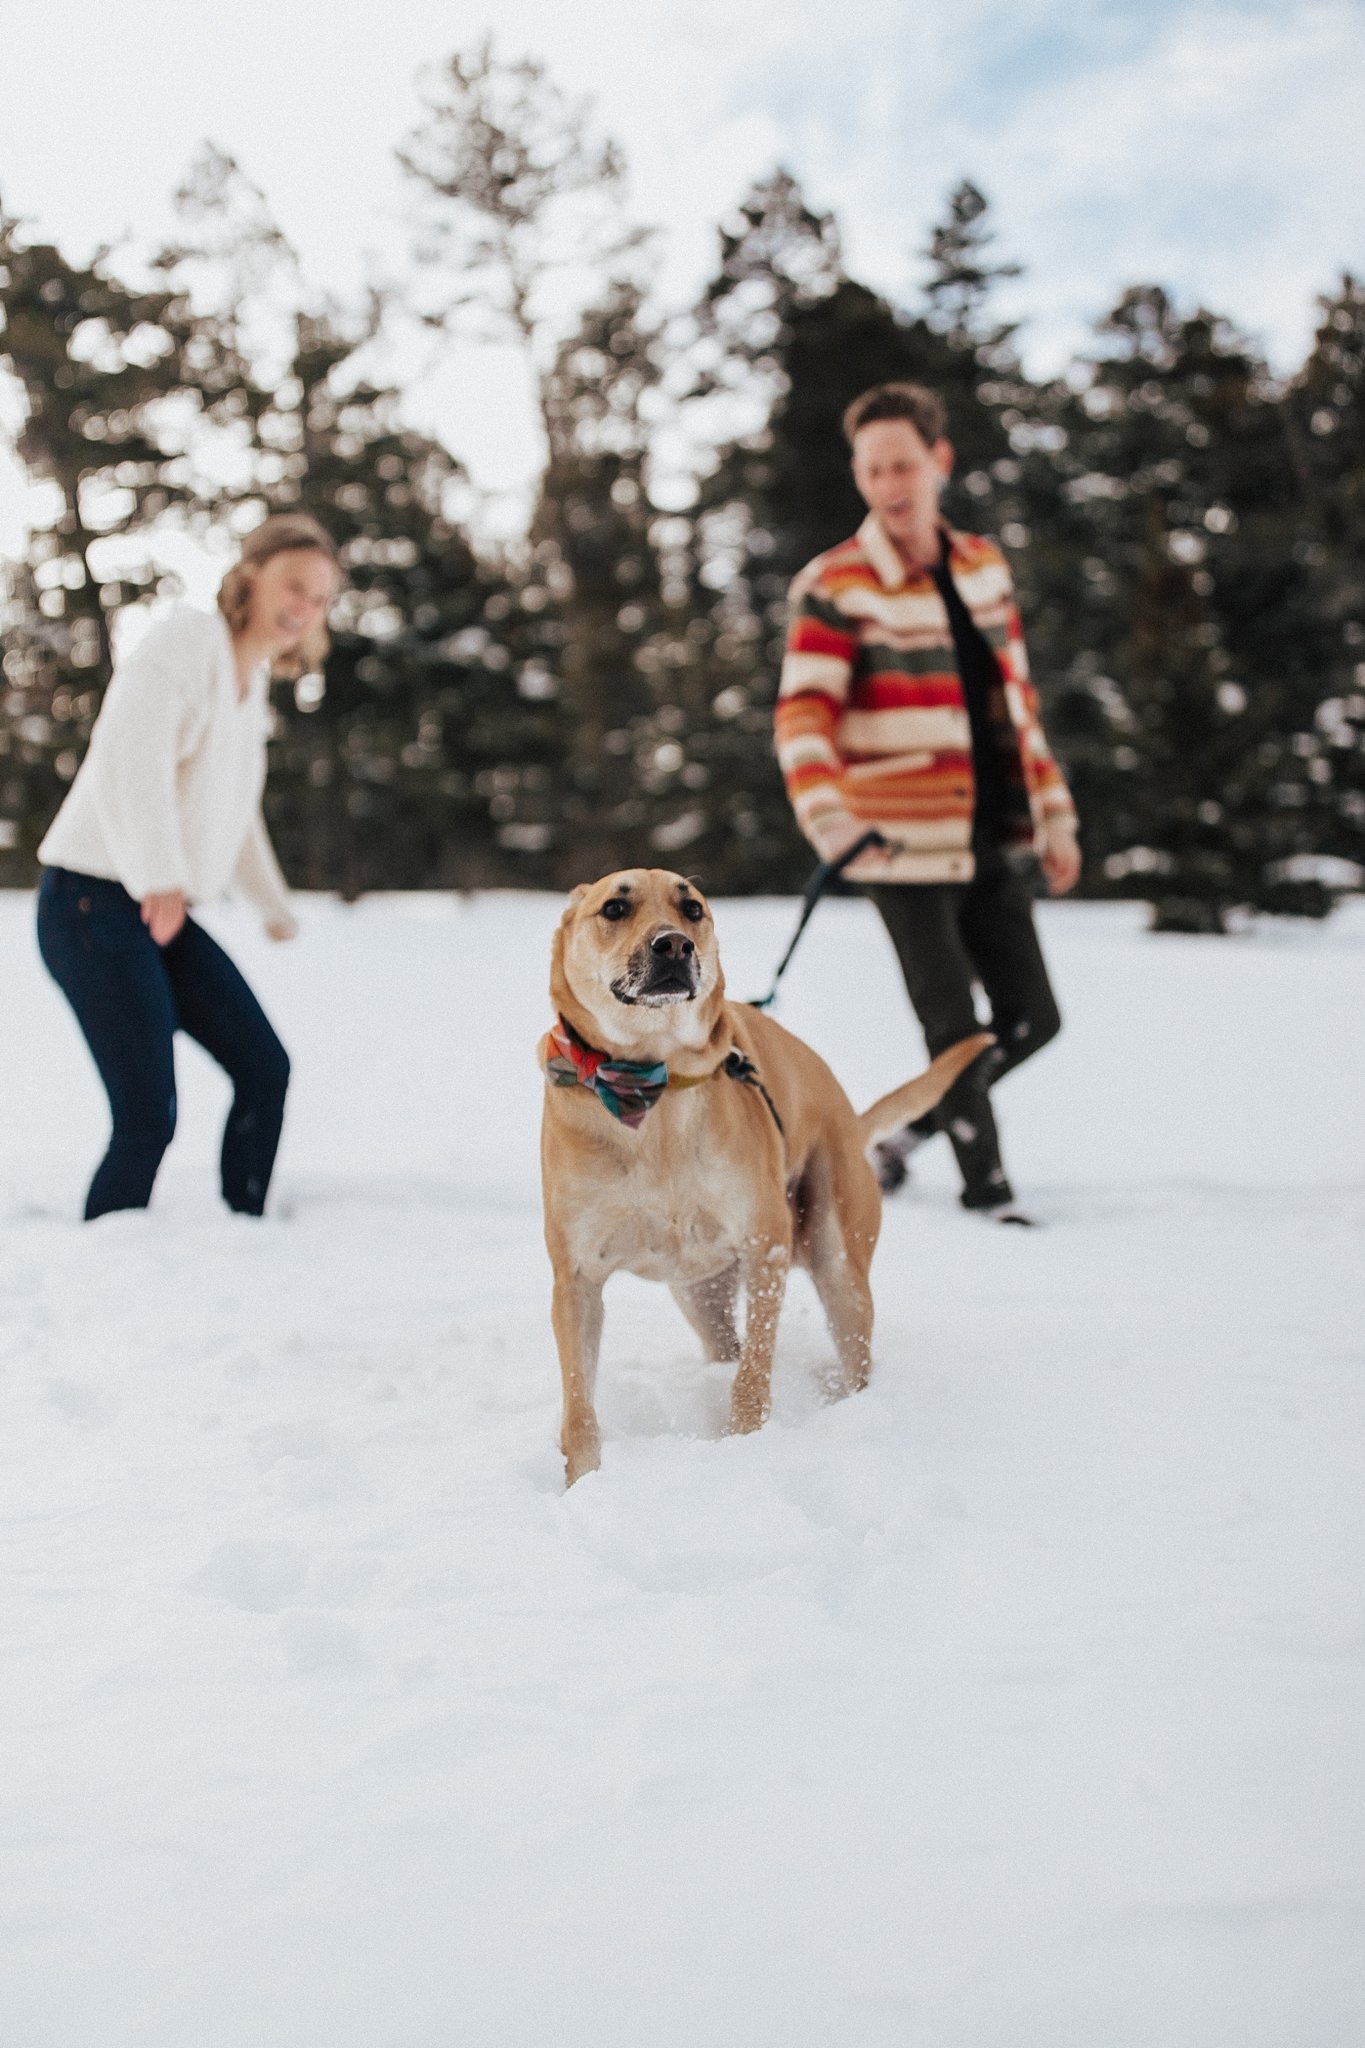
x: 665, y: 967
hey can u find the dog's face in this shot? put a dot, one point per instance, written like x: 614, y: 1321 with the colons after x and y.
x: 637, y: 950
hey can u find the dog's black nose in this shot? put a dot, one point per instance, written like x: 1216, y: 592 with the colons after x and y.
x: 671, y: 946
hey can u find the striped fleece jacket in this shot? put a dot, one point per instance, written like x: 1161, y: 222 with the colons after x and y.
x: 871, y: 722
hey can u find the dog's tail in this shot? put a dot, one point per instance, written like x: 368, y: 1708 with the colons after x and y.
x: 925, y: 1092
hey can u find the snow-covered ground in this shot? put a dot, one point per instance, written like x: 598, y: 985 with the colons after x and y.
x: 1017, y: 1701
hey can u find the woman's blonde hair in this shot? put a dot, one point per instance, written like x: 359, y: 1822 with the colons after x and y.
x: 278, y: 535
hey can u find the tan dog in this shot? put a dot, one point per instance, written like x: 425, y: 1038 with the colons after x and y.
x: 746, y: 1156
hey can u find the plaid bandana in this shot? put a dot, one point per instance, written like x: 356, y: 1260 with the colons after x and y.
x: 628, y: 1088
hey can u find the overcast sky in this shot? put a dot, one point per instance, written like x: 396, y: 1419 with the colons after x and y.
x: 1216, y: 146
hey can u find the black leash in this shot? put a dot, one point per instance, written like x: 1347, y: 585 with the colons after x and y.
x: 827, y: 872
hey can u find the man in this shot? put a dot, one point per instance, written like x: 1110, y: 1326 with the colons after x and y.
x: 905, y: 704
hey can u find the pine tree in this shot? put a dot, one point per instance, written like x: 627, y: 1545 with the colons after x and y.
x: 112, y: 401
x: 520, y: 208
x: 1325, y: 416
x: 381, y: 766
x: 989, y: 400
x: 782, y: 318
x: 1190, y: 622
x: 513, y: 193
x: 962, y: 274
x: 733, y: 555
x: 386, y: 770
x: 591, y: 539
x: 48, y: 703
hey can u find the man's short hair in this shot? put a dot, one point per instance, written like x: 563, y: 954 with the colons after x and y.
x: 912, y: 402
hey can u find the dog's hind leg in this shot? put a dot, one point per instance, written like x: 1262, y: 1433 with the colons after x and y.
x: 846, y: 1298
x: 764, y: 1269
x: 839, y: 1233
x: 710, y: 1308
x: 576, y: 1311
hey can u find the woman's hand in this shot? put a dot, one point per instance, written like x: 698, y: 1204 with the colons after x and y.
x: 281, y: 929
x: 1061, y: 858
x: 163, y: 913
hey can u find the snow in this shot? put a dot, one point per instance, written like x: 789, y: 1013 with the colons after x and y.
x: 1016, y: 1700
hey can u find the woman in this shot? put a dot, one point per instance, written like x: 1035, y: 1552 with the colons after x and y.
x: 164, y: 813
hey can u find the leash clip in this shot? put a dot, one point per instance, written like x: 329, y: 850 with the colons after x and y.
x: 740, y: 1067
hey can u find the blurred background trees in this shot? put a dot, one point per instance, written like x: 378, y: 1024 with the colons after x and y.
x: 1187, y: 531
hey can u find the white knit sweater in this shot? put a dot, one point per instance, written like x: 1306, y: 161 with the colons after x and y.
x: 169, y: 793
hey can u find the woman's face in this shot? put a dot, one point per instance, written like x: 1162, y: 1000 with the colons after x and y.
x: 290, y: 596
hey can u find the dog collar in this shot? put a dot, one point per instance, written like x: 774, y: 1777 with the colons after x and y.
x: 628, y: 1088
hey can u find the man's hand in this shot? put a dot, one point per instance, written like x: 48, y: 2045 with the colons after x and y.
x: 1061, y: 857
x: 833, y: 836
x: 163, y: 913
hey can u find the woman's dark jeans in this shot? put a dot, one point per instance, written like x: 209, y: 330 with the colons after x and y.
x: 130, y: 997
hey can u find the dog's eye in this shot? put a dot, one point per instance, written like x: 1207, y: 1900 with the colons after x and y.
x: 615, y: 907
x: 692, y: 909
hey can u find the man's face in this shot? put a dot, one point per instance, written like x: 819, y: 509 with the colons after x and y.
x: 900, y: 476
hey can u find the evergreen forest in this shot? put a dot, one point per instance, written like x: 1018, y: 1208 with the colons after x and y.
x: 1186, y: 529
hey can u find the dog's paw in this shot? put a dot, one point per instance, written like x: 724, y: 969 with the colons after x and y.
x: 749, y: 1408
x: 582, y: 1453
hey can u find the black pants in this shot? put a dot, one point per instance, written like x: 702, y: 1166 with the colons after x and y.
x: 950, y: 936
x: 130, y: 997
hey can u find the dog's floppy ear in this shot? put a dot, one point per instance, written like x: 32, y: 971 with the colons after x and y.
x: 575, y: 898
x: 557, y: 982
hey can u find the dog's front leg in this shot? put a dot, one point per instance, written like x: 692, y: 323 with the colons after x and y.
x: 576, y: 1312
x: 764, y: 1264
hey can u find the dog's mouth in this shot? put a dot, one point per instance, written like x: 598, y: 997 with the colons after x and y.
x: 655, y: 977
x: 661, y: 989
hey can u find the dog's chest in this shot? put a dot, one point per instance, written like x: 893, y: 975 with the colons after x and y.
x: 683, y: 1226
